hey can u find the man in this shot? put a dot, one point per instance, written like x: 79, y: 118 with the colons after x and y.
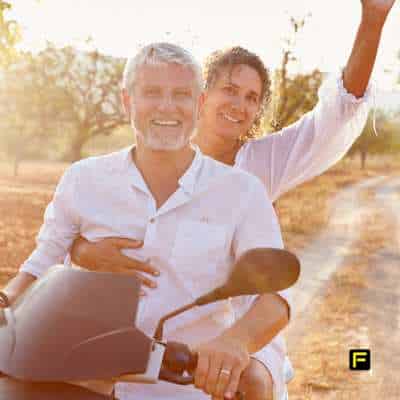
x: 193, y: 215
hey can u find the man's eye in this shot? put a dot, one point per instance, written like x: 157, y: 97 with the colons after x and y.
x: 152, y: 92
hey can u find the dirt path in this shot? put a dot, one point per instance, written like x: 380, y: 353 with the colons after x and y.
x: 348, y: 297
x: 382, y: 301
x: 321, y: 258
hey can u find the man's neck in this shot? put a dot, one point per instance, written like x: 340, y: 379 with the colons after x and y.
x: 162, y: 163
x: 162, y: 170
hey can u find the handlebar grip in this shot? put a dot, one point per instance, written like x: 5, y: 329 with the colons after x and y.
x: 178, y: 359
x: 193, y: 360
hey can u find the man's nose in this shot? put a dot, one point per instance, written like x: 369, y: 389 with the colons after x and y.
x: 167, y: 103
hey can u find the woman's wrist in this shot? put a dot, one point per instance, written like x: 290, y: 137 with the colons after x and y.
x: 373, y: 21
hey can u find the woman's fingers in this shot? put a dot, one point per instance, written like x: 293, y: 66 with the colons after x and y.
x: 132, y: 264
x: 124, y: 243
x: 106, y: 255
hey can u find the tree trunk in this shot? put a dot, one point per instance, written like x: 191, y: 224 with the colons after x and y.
x: 74, y: 153
x: 18, y: 156
x: 16, y: 166
x: 363, y: 157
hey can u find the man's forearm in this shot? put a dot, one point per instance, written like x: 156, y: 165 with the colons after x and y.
x: 265, y: 319
x: 18, y: 285
x: 359, y: 67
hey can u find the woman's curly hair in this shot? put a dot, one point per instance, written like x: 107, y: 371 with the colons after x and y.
x: 230, y: 58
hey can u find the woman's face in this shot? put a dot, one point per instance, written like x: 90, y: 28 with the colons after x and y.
x: 230, y: 106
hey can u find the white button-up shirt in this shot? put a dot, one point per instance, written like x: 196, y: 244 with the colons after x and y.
x: 217, y: 213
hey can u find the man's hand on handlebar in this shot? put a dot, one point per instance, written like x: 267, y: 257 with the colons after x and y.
x: 220, y: 364
x: 106, y: 255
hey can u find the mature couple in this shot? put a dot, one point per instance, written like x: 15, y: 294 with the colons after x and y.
x: 167, y: 211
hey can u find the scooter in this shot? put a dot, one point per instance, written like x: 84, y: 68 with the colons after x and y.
x: 71, y: 335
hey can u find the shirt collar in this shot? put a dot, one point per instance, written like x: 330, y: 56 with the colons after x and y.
x: 187, y: 181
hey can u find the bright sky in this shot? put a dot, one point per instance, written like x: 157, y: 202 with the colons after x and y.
x: 118, y: 27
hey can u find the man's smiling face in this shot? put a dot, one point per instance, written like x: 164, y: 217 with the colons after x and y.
x: 163, y: 105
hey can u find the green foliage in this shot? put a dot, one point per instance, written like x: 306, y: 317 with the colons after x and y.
x: 9, y: 35
x: 90, y: 82
x: 293, y: 94
x: 32, y: 108
x: 58, y: 98
x: 384, y: 138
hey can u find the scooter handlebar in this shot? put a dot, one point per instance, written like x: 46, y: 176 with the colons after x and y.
x: 179, y: 365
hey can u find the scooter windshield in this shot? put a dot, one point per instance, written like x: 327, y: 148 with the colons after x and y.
x: 74, y: 324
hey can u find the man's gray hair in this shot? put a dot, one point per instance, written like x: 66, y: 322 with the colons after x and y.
x: 160, y: 53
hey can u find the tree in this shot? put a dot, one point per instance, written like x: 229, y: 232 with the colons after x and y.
x: 293, y: 94
x: 380, y: 137
x: 91, y: 84
x: 31, y: 107
x: 9, y: 35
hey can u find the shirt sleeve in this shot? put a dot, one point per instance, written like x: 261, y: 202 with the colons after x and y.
x: 59, y: 229
x: 314, y: 143
x: 258, y: 227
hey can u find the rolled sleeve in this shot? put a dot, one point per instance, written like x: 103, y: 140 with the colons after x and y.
x: 59, y: 229
x: 313, y: 144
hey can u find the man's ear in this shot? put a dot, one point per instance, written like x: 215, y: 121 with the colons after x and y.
x: 126, y: 101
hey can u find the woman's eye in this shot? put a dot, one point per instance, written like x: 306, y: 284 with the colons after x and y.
x: 182, y: 94
x: 253, y: 99
x: 229, y: 90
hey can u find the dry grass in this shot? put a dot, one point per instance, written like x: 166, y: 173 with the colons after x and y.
x: 337, y: 325
x: 39, y: 173
x: 304, y: 211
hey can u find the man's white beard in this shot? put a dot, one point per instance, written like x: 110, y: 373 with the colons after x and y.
x: 157, y: 141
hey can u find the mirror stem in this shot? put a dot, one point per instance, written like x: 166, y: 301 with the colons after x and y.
x: 158, y: 335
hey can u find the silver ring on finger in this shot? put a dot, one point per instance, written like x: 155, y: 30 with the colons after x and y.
x: 225, y: 371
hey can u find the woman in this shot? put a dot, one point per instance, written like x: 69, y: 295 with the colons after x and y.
x: 237, y: 91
